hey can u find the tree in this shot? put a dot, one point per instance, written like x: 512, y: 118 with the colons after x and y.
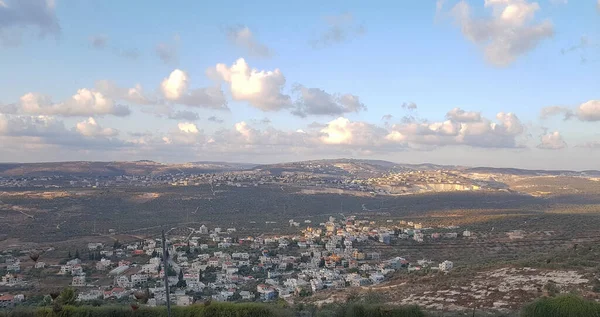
x: 181, y: 282
x: 67, y: 296
x: 69, y: 256
x: 171, y: 271
x: 116, y: 245
x: 77, y: 254
x: 159, y: 269
x: 154, y: 254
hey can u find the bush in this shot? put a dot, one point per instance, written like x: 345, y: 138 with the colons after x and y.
x: 562, y: 306
x: 212, y: 310
x: 366, y: 310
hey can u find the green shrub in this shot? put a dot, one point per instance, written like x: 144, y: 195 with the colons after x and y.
x: 562, y: 306
x: 212, y: 310
x: 218, y: 310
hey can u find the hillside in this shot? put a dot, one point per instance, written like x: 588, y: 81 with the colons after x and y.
x: 103, y: 169
x: 333, y: 167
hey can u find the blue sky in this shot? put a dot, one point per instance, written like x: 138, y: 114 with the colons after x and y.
x: 430, y: 53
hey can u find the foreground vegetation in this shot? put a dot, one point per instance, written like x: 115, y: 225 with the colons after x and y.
x: 562, y: 306
x: 220, y: 309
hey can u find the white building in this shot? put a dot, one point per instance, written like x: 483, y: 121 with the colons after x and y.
x: 184, y: 300
x: 246, y: 295
x: 103, y: 264
x: 78, y: 281
x: 203, y: 229
x: 91, y: 295
x: 446, y: 266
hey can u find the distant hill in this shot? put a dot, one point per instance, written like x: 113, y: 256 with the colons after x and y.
x: 524, y: 172
x: 345, y: 167
x: 333, y: 167
x: 102, y: 169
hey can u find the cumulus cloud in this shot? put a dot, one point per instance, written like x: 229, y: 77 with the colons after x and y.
x: 510, y: 31
x: 244, y: 38
x: 134, y: 94
x: 255, y: 139
x: 91, y: 128
x: 261, y: 89
x: 460, y: 115
x: 31, y: 126
x: 85, y: 103
x: 175, y: 88
x: 175, y: 85
x: 343, y: 131
x: 17, y: 15
x: 43, y: 132
x: 188, y: 127
x: 482, y: 133
x: 315, y: 101
x: 587, y: 111
x: 552, y: 141
x: 336, y: 137
x: 340, y: 28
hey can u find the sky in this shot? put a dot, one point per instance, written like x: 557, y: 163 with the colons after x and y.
x: 503, y: 83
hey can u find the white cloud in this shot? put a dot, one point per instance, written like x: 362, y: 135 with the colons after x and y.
x: 262, y: 89
x: 244, y: 130
x: 342, y: 131
x: 315, y: 101
x: 175, y: 88
x: 188, y: 127
x: 85, y: 103
x: 460, y: 115
x: 244, y: 38
x: 134, y: 94
x: 17, y: 15
x: 91, y: 128
x: 589, y: 111
x: 482, y: 133
x: 508, y: 33
x: 552, y: 141
x: 47, y: 135
x: 175, y: 85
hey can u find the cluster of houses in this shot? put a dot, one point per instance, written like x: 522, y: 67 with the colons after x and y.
x: 216, y: 264
x: 213, y: 263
